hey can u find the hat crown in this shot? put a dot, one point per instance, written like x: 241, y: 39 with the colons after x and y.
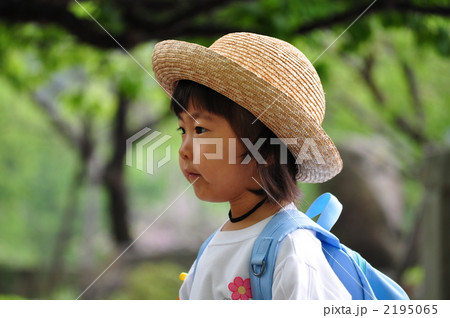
x: 280, y: 64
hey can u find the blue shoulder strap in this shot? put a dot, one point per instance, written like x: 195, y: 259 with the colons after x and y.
x: 263, y: 258
x: 328, y: 207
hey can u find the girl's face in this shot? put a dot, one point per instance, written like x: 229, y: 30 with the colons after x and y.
x: 210, y: 157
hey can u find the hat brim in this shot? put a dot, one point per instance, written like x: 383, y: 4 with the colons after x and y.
x: 316, y: 153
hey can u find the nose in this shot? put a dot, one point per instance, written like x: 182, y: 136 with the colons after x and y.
x: 185, y: 151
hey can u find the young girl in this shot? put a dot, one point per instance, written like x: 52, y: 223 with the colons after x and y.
x: 247, y: 106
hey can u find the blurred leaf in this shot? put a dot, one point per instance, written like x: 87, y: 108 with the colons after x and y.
x: 81, y: 9
x: 414, y: 276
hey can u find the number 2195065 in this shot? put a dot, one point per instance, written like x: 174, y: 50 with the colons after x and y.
x: 410, y: 309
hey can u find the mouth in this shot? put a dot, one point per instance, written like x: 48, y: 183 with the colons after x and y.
x: 191, y: 175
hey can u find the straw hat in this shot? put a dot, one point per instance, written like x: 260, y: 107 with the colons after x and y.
x: 270, y: 78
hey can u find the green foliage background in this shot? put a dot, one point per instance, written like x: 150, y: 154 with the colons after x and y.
x: 37, y: 164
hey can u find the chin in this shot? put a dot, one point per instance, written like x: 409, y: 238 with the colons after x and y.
x: 209, y: 197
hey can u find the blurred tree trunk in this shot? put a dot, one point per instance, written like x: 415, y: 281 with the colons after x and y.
x: 435, y: 235
x: 113, y: 176
x: 83, y: 143
x: 91, y: 172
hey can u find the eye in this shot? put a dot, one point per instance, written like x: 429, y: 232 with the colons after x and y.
x: 200, y: 130
x: 181, y: 129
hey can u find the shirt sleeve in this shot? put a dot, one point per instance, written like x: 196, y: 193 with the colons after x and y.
x: 302, y: 271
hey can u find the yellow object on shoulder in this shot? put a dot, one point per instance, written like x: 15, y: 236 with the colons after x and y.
x: 182, y: 276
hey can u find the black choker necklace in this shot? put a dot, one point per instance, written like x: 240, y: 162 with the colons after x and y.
x: 234, y: 220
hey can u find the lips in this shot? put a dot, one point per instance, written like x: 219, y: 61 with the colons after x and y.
x: 191, y: 175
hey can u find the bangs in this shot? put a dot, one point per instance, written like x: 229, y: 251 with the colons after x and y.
x: 202, y: 98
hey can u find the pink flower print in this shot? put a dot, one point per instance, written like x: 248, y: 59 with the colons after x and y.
x: 240, y: 289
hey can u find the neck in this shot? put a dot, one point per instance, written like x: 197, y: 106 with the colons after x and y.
x: 242, y: 205
x: 247, y: 214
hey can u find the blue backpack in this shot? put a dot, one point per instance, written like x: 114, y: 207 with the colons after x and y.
x: 360, y: 279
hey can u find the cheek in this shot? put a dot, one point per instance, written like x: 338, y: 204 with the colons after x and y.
x: 226, y: 162
x: 222, y: 183
x: 222, y: 164
x: 231, y: 177
x: 209, y: 157
x: 221, y: 180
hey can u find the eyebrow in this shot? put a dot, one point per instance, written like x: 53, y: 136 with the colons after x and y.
x: 198, y: 115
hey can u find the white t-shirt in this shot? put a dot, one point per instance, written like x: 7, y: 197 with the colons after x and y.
x: 301, y: 269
